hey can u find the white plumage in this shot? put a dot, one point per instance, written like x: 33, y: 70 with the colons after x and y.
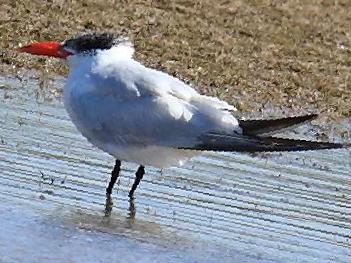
x: 139, y: 114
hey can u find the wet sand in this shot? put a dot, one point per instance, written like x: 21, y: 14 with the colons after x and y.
x: 288, y: 207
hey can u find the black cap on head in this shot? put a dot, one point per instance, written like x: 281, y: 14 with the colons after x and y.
x: 91, y: 42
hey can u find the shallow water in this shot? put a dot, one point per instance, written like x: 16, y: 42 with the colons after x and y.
x: 290, y: 207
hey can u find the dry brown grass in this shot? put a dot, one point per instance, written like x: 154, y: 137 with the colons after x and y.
x: 289, y: 53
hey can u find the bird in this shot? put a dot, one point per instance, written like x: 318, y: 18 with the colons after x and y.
x: 145, y: 116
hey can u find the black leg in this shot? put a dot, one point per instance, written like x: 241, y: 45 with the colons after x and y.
x: 138, y: 176
x: 114, y: 176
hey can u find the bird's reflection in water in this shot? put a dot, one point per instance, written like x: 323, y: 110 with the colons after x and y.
x: 109, y: 206
x: 132, y: 208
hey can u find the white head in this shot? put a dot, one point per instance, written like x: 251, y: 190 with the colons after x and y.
x: 85, y: 45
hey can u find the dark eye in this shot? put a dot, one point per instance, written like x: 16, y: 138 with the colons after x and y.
x: 66, y: 44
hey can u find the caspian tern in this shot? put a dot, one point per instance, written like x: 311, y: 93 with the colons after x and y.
x: 141, y: 115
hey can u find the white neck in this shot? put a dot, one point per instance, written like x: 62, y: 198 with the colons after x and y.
x: 122, y: 51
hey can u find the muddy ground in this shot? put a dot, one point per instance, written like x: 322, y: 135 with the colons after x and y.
x: 290, y: 53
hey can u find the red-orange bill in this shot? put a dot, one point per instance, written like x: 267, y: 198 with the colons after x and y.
x: 45, y: 48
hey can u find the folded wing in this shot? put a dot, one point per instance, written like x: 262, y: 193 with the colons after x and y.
x: 264, y: 127
x: 250, y: 143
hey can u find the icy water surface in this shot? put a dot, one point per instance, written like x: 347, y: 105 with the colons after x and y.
x: 291, y: 207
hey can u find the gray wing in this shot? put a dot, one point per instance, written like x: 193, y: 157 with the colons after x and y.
x: 141, y: 106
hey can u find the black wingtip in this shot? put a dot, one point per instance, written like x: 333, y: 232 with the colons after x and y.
x: 259, y: 127
x: 244, y: 143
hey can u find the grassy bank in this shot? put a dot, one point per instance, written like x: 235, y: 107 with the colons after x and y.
x: 291, y: 53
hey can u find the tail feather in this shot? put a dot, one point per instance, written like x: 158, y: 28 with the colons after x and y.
x: 259, y: 127
x: 245, y: 143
